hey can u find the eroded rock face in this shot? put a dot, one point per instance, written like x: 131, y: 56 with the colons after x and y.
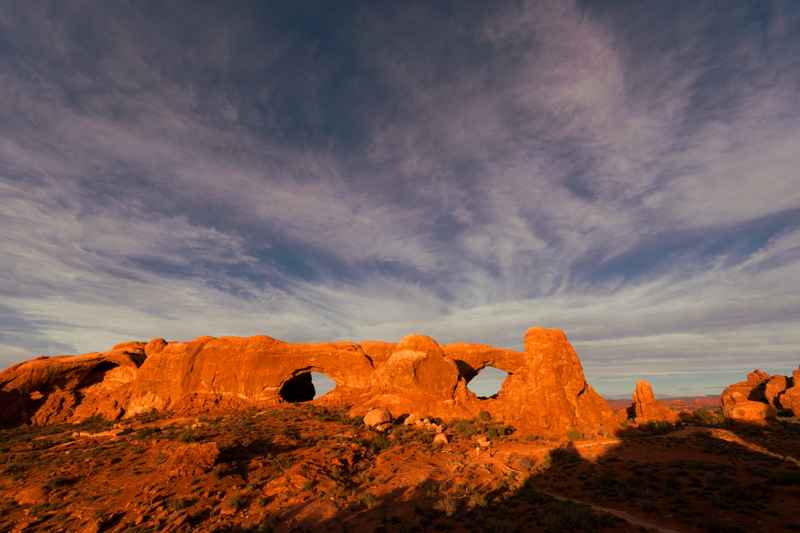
x: 545, y: 393
x: 790, y: 400
x: 760, y: 397
x: 57, y: 389
x: 774, y: 389
x: 753, y: 412
x: 208, y: 372
x: 646, y: 408
x: 755, y: 377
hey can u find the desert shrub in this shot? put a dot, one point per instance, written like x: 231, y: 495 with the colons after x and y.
x: 60, y: 482
x: 43, y: 444
x: 147, y: 433
x: 447, y: 505
x: 715, y: 526
x: 329, y: 414
x: 470, y: 427
x: 408, y: 435
x: 188, y: 436
x: 572, y: 516
x: 484, y: 416
x: 563, y: 456
x: 219, y: 471
x: 465, y: 428
x: 477, y: 499
x: 94, y: 423
x: 656, y: 428
x: 234, y: 502
x: 380, y: 442
x: 44, y: 508
x: 178, y: 504
x: 368, y: 501
x: 18, y: 468
x: 785, y: 479
x: 705, y: 417
x: 573, y: 435
x: 150, y: 416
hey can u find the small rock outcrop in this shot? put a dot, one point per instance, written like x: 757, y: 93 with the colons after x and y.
x: 761, y: 397
x: 774, y: 389
x: 49, y: 390
x: 379, y: 419
x: 646, y: 408
x: 546, y: 392
x: 790, y: 399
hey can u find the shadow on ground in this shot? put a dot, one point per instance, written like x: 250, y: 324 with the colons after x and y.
x: 685, y: 478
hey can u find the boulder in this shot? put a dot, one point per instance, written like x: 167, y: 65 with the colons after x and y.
x: 32, y: 495
x: 411, y: 420
x: 790, y: 399
x: 418, y: 366
x: 774, y: 388
x: 440, y: 439
x: 751, y: 412
x: 378, y: 419
x: 193, y: 459
x: 739, y: 401
x: 733, y: 394
x: 755, y: 377
x: 645, y: 408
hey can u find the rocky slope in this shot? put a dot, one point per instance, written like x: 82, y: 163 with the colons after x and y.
x: 305, y: 467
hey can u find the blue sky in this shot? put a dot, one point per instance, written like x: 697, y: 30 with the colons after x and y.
x: 625, y: 171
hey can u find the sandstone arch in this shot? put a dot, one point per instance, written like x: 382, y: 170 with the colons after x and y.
x: 545, y: 392
x: 487, y: 392
x: 300, y: 386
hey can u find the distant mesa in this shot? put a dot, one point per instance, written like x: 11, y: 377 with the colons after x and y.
x: 545, y: 391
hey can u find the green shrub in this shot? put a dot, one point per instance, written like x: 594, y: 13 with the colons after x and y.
x: 573, y: 435
x: 60, y: 482
x: 657, y: 428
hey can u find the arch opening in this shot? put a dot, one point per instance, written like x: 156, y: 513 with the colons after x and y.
x: 306, y: 386
x: 487, y: 382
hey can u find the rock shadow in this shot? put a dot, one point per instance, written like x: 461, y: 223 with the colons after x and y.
x: 661, y: 478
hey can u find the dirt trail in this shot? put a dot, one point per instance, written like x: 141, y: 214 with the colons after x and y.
x: 729, y: 436
x: 624, y: 515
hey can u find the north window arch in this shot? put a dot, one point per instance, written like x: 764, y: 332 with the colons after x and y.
x: 305, y: 386
x: 488, y: 381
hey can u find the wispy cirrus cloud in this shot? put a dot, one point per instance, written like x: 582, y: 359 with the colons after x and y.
x: 626, y: 173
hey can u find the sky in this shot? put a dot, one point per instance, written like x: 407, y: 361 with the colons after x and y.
x: 624, y: 171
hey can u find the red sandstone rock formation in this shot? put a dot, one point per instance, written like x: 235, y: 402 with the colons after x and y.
x: 69, y: 388
x: 790, y: 399
x: 755, y: 377
x: 646, y: 408
x: 774, y: 388
x: 761, y: 397
x: 545, y: 393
